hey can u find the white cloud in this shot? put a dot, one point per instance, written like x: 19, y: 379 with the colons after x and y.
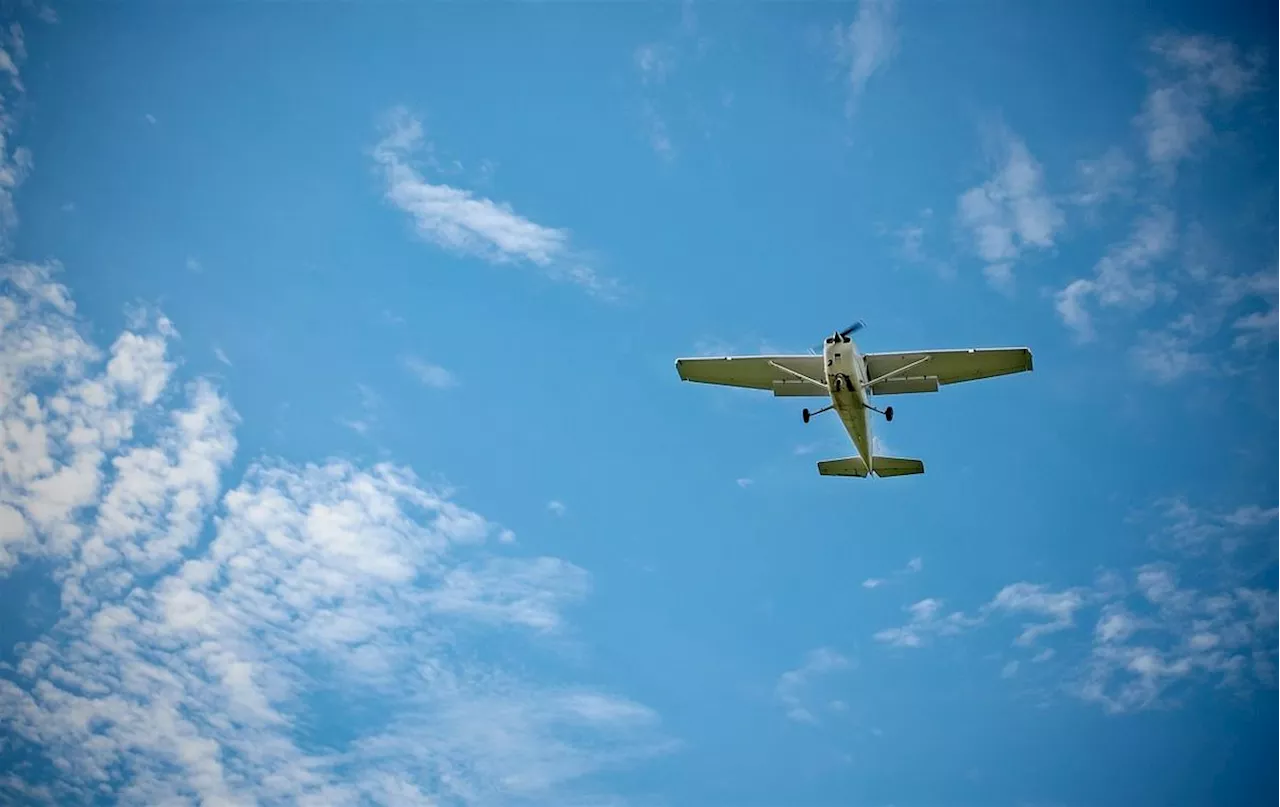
x: 369, y: 403
x: 1211, y: 301
x: 1058, y: 608
x: 1188, y: 635
x: 185, y: 670
x: 15, y: 162
x: 221, y: 355
x: 431, y: 375
x: 1010, y: 213
x: 1258, y: 328
x: 1165, y: 356
x: 656, y: 62
x: 913, y: 566
x: 1122, y: 278
x: 1151, y: 633
x: 556, y: 507
x: 744, y: 482
x: 1103, y: 178
x: 867, y: 44
x: 794, y: 687
x: 925, y: 622
x: 456, y: 220
x: 1193, y: 74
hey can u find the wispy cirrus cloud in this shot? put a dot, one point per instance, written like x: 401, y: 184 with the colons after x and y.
x: 796, y: 688
x: 913, y: 566
x: 182, y: 668
x: 1150, y: 633
x: 1123, y: 277
x: 866, y: 45
x: 457, y: 220
x: 1191, y: 75
x: 1011, y: 213
x: 658, y: 61
x: 428, y: 374
x: 1103, y: 178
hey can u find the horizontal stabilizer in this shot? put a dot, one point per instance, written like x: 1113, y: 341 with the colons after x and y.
x: 880, y: 466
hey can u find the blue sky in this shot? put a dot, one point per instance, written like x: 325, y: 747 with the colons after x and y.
x: 344, y: 459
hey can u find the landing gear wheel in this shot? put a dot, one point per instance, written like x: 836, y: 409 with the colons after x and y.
x: 888, y: 414
x: 805, y: 414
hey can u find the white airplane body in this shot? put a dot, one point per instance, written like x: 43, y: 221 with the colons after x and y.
x: 848, y: 377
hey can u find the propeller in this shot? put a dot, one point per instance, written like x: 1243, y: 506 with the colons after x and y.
x: 854, y: 328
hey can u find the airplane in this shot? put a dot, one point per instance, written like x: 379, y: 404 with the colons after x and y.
x: 848, y: 378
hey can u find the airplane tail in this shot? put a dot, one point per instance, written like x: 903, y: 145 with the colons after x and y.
x: 880, y: 466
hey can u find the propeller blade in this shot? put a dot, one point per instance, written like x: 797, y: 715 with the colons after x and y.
x: 854, y: 328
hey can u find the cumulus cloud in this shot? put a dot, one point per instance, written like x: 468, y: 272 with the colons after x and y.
x: 867, y: 44
x: 795, y: 688
x: 200, y: 630
x: 1011, y: 213
x: 460, y: 222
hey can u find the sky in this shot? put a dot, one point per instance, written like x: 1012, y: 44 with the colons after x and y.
x: 343, y: 458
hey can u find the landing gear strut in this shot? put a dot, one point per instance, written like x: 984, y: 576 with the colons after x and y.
x: 887, y: 412
x: 806, y: 414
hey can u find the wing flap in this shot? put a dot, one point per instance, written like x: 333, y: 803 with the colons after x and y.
x: 952, y: 366
x: 905, y: 384
x: 755, y: 372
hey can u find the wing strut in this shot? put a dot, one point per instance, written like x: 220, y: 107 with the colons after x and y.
x: 897, y: 371
x: 800, y: 376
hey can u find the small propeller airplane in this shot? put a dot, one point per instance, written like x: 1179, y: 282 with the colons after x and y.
x: 848, y: 377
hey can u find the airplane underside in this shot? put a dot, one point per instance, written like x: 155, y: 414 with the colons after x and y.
x: 846, y: 377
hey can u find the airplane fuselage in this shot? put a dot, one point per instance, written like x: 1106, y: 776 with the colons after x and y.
x: 845, y: 377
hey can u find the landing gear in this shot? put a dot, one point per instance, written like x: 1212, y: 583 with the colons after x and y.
x: 806, y: 414
x: 887, y: 411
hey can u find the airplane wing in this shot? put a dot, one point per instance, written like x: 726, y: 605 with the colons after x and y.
x: 933, y: 368
x: 784, y: 375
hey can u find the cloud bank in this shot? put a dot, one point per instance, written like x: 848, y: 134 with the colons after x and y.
x: 308, y: 636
